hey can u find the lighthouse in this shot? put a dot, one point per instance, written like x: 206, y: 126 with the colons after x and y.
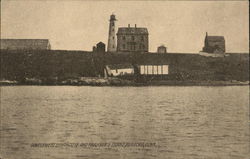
x: 112, y: 36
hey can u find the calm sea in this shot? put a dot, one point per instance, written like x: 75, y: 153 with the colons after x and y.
x: 180, y: 122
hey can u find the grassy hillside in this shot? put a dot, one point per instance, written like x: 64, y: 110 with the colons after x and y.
x: 46, y: 65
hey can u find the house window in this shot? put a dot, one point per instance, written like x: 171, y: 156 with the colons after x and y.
x: 113, y: 46
x: 123, y: 38
x: 133, y: 38
x: 123, y: 46
x: 113, y: 38
x: 142, y: 38
x: 132, y: 46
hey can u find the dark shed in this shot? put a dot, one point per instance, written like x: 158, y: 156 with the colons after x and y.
x: 214, y: 44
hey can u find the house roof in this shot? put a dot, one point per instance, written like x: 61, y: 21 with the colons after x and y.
x: 128, y: 30
x: 215, y: 38
x: 15, y: 44
x: 120, y: 66
x: 162, y: 46
x: 100, y: 43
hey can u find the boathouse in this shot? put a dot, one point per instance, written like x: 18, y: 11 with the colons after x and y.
x: 118, y: 70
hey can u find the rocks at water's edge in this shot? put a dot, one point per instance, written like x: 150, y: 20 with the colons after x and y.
x: 112, y: 81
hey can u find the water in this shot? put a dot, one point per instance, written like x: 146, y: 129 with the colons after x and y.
x: 183, y: 122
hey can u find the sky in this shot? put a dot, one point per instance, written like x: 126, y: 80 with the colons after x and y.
x: 78, y: 25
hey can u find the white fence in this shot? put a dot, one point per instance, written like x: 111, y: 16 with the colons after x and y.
x: 153, y: 69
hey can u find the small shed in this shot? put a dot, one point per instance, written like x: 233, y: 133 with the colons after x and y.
x: 100, y: 47
x: 214, y: 44
x: 162, y: 49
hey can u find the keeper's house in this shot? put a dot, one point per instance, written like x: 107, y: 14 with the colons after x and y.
x: 25, y: 44
x: 132, y: 39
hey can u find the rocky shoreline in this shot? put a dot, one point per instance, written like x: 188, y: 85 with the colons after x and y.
x: 97, y: 81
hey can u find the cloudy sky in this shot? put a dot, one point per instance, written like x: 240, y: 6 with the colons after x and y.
x: 78, y: 25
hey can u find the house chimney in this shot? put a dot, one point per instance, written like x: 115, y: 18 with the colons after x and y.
x: 129, y: 25
x: 135, y: 25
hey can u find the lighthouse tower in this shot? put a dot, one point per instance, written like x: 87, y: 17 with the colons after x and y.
x: 112, y: 36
